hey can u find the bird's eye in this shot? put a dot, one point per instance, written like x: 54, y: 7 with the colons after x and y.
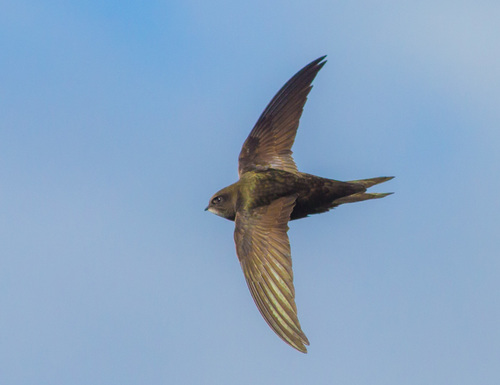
x: 216, y: 200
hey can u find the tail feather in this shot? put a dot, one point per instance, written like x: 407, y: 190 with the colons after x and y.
x: 363, y: 196
x: 366, y: 183
x: 358, y: 197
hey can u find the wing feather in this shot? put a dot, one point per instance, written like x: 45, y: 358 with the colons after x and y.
x: 270, y: 141
x: 264, y: 252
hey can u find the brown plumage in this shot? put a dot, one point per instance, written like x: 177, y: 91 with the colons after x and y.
x: 270, y: 192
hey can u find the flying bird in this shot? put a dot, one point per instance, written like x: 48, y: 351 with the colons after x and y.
x: 270, y: 192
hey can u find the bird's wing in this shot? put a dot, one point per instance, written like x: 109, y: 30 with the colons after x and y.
x: 264, y: 252
x: 270, y: 141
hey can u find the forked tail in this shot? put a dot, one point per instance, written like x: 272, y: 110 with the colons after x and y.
x: 363, y: 196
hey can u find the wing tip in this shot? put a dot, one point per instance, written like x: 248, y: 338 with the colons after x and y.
x: 323, y: 58
x: 301, y: 347
x: 316, y: 64
x: 320, y: 62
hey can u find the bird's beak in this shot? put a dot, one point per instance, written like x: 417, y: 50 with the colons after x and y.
x: 206, y: 208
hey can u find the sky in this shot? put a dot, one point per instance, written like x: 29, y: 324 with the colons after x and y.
x: 120, y: 119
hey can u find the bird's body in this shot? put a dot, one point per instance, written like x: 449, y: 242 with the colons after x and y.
x: 269, y: 193
x: 314, y: 194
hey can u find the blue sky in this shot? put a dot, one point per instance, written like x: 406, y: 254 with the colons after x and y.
x: 119, y: 120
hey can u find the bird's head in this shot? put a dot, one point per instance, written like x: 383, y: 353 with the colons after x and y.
x: 223, y: 203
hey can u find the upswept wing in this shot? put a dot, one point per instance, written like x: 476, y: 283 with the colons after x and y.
x: 270, y: 141
x: 264, y: 252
